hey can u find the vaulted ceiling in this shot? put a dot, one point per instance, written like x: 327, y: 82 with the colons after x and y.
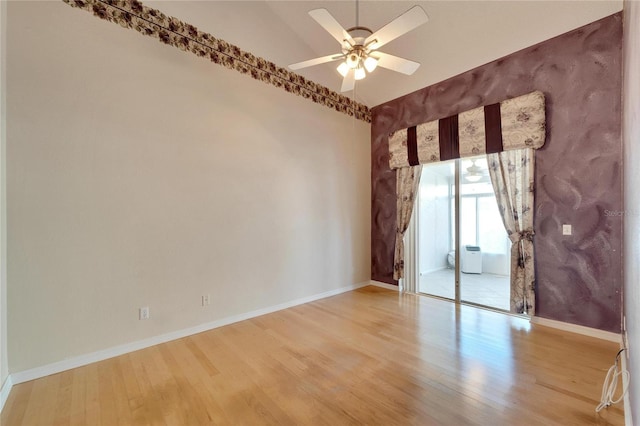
x: 459, y: 36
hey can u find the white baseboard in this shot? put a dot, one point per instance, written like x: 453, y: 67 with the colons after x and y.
x: 4, y: 391
x: 385, y: 285
x: 79, y: 361
x: 579, y: 329
x: 600, y: 334
x: 429, y: 271
x: 628, y: 417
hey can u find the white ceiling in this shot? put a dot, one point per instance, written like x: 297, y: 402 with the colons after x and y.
x: 459, y: 36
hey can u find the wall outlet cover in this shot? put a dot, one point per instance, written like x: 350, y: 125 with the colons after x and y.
x: 144, y: 313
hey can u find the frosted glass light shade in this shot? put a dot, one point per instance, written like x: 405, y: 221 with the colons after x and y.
x: 370, y: 63
x: 360, y: 74
x: 343, y: 69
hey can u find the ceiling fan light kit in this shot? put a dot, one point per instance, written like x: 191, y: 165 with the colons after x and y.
x: 360, y: 54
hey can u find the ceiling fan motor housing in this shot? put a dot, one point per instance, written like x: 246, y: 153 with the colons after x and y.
x: 353, y: 57
x: 357, y: 53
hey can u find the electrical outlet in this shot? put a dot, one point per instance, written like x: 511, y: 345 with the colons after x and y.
x: 144, y: 313
x: 566, y: 229
x: 206, y: 300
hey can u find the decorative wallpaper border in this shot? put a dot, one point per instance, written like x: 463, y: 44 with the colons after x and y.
x: 151, y: 22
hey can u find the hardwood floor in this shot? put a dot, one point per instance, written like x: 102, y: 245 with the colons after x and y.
x: 369, y: 356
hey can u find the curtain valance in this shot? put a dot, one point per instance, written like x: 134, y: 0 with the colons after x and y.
x: 512, y: 124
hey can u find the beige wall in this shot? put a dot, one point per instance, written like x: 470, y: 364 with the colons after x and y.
x: 140, y: 175
x: 631, y: 140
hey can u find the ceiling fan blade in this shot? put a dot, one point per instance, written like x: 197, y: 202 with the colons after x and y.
x: 316, y: 61
x: 329, y: 23
x: 404, y: 23
x: 395, y: 63
x: 349, y: 81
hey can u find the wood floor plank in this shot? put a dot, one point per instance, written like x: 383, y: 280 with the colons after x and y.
x: 62, y: 414
x: 147, y: 402
x: 92, y: 395
x: 45, y: 392
x: 370, y: 356
x: 16, y: 405
x: 77, y: 409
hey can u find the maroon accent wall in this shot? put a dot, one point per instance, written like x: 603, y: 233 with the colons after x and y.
x: 578, y: 171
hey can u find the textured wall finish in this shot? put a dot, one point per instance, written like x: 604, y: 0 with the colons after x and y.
x: 578, y: 171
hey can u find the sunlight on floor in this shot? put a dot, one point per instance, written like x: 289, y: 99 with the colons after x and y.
x: 484, y: 289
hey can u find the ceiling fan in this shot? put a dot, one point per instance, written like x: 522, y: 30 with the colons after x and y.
x: 474, y: 172
x: 360, y: 45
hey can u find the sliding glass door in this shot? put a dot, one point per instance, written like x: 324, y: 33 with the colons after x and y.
x: 457, y: 197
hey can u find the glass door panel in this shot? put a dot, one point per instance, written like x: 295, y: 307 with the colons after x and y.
x: 484, y: 246
x: 436, y: 230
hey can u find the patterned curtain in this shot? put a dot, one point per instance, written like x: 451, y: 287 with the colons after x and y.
x: 407, y: 181
x: 512, y: 176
